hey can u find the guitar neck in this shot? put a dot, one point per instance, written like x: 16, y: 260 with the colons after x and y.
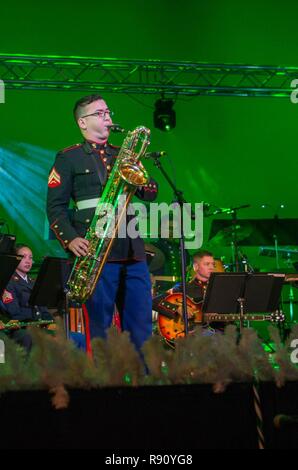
x: 170, y: 311
x: 227, y: 317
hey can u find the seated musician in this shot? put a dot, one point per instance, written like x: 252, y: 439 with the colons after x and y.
x: 15, y: 299
x: 203, y: 266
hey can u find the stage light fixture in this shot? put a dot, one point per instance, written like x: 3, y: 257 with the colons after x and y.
x: 164, y: 115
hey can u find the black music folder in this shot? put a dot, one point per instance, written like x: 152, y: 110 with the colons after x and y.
x: 8, y: 265
x: 261, y: 292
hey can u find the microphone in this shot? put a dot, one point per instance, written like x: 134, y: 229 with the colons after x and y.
x: 116, y: 128
x: 155, y: 154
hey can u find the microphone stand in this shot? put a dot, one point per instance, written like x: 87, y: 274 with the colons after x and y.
x: 178, y: 196
x: 234, y: 243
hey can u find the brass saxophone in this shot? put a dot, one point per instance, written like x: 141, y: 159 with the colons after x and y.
x: 127, y: 174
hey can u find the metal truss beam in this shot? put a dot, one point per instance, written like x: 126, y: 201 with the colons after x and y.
x: 20, y: 72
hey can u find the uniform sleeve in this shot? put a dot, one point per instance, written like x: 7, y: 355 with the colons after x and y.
x: 149, y: 191
x: 11, y: 303
x: 157, y: 302
x: 58, y: 198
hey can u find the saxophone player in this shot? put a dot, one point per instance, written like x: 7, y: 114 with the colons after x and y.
x: 80, y: 173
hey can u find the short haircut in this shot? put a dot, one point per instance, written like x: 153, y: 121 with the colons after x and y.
x: 200, y: 254
x: 19, y: 246
x: 79, y: 106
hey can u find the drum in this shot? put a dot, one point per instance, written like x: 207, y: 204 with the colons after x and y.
x: 218, y: 266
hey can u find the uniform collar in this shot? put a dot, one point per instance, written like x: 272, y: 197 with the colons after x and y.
x: 90, y: 147
x: 96, y: 146
x: 200, y: 283
x: 18, y: 277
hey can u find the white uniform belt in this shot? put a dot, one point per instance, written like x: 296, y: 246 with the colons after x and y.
x: 87, y: 203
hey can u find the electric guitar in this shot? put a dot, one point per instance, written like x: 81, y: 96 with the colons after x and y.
x: 171, y: 324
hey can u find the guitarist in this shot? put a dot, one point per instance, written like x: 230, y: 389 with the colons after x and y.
x: 203, y: 265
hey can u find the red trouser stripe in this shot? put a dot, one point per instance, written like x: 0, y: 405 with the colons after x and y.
x: 87, y: 331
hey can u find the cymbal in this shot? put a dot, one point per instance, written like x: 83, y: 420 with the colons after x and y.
x: 158, y: 258
x: 228, y: 234
x: 165, y: 278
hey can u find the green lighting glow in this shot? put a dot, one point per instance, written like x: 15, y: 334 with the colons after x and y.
x: 127, y: 379
x: 268, y: 347
x: 24, y: 172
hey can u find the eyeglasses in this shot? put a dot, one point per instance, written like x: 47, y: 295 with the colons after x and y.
x: 101, y: 114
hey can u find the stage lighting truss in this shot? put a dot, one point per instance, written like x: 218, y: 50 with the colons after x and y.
x: 144, y: 77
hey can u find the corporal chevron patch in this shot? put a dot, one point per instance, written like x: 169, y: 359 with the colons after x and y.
x: 7, y: 297
x: 54, y: 179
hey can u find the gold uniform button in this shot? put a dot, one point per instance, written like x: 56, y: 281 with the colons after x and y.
x: 101, y: 152
x: 94, y: 146
x: 87, y: 171
x: 61, y: 233
x: 87, y: 221
x: 65, y: 241
x: 108, y: 167
x: 55, y: 226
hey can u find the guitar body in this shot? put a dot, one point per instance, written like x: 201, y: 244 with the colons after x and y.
x: 171, y: 325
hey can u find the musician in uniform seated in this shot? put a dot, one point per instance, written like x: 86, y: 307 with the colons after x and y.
x: 203, y: 266
x: 15, y: 298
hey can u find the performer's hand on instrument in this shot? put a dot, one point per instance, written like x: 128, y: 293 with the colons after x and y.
x: 180, y: 311
x: 79, y: 246
x: 170, y: 291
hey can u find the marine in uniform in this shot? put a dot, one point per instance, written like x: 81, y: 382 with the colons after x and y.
x: 203, y: 266
x: 79, y: 175
x: 15, y: 299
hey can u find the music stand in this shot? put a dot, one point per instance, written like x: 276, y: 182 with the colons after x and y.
x: 243, y: 293
x: 7, y: 243
x: 8, y: 264
x: 49, y: 288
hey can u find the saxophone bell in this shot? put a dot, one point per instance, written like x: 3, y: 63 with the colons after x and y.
x: 134, y: 173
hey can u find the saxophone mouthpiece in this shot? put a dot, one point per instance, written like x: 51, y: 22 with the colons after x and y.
x: 116, y: 128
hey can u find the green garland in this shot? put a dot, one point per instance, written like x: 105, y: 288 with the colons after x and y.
x: 55, y: 364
